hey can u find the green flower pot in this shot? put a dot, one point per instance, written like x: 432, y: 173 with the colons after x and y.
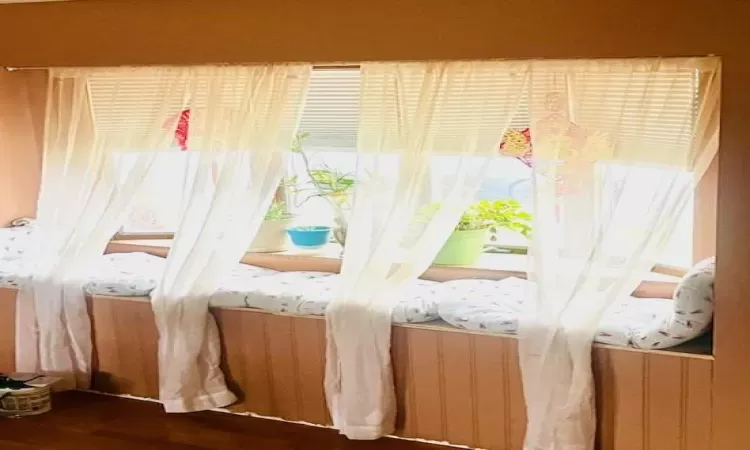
x: 462, y: 248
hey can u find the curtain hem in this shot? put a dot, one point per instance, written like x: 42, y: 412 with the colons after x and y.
x: 364, y: 432
x: 201, y: 403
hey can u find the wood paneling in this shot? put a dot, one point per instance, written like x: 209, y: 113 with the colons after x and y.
x: 704, y: 225
x: 7, y: 330
x: 22, y: 100
x: 453, y: 386
x: 275, y: 363
x: 125, y: 343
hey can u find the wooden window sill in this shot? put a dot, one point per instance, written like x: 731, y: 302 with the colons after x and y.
x: 491, y: 266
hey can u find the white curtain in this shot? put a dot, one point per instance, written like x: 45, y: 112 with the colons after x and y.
x: 81, y: 203
x: 241, y: 127
x: 416, y: 120
x: 616, y: 146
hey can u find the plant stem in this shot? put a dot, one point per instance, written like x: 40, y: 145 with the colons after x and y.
x: 339, y: 219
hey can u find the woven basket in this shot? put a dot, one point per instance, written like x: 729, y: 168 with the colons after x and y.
x: 25, y: 402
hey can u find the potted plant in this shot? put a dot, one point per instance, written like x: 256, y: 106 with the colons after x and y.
x: 479, y: 224
x: 330, y: 184
x: 271, y: 236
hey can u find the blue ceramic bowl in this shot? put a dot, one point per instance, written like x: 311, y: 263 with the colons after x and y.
x: 309, y: 237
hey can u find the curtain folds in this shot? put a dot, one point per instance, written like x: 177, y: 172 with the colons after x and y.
x: 104, y: 129
x: 242, y: 123
x: 615, y: 147
x: 81, y: 203
x: 416, y: 120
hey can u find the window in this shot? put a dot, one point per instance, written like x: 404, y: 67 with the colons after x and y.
x: 328, y: 128
x: 157, y: 206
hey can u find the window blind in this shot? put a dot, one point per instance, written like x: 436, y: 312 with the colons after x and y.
x: 128, y: 101
x: 653, y: 110
x: 648, y: 113
x: 670, y: 98
x: 136, y: 101
x: 330, y: 114
x: 331, y: 110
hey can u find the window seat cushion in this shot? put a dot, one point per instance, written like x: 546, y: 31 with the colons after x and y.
x: 14, y: 241
x: 137, y: 274
x: 126, y: 275
x: 116, y: 274
x: 497, y: 307
x: 690, y: 314
x: 10, y: 273
x: 310, y: 293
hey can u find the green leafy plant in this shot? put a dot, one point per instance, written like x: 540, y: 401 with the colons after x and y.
x: 489, y: 214
x: 277, y: 211
x: 494, y: 214
x: 330, y: 184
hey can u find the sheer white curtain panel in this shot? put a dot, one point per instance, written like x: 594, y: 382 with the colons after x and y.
x: 81, y: 204
x: 242, y: 122
x: 413, y: 117
x: 616, y: 147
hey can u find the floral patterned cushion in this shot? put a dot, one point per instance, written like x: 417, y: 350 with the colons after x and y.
x: 691, y: 312
x: 117, y: 274
x: 311, y: 292
x: 10, y: 276
x: 248, y: 288
x: 626, y: 316
x: 15, y: 240
x: 417, y: 303
x: 484, y: 305
x: 126, y: 275
x: 496, y: 306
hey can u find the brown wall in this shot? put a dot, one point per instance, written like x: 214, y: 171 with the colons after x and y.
x: 111, y: 32
x: 22, y: 99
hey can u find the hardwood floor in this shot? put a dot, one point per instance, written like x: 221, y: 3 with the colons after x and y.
x: 83, y: 421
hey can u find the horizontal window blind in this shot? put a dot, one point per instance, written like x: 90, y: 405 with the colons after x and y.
x: 650, y: 115
x: 331, y: 109
x: 133, y: 101
x: 464, y: 107
x: 330, y: 114
x: 653, y: 110
x: 128, y: 101
x: 659, y: 108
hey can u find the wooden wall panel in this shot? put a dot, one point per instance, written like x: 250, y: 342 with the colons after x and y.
x: 275, y: 364
x: 23, y: 98
x: 7, y: 330
x: 426, y: 385
x: 125, y: 347
x: 698, y: 410
x: 664, y: 408
x: 452, y: 386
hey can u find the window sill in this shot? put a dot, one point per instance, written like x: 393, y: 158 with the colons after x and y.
x: 491, y: 266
